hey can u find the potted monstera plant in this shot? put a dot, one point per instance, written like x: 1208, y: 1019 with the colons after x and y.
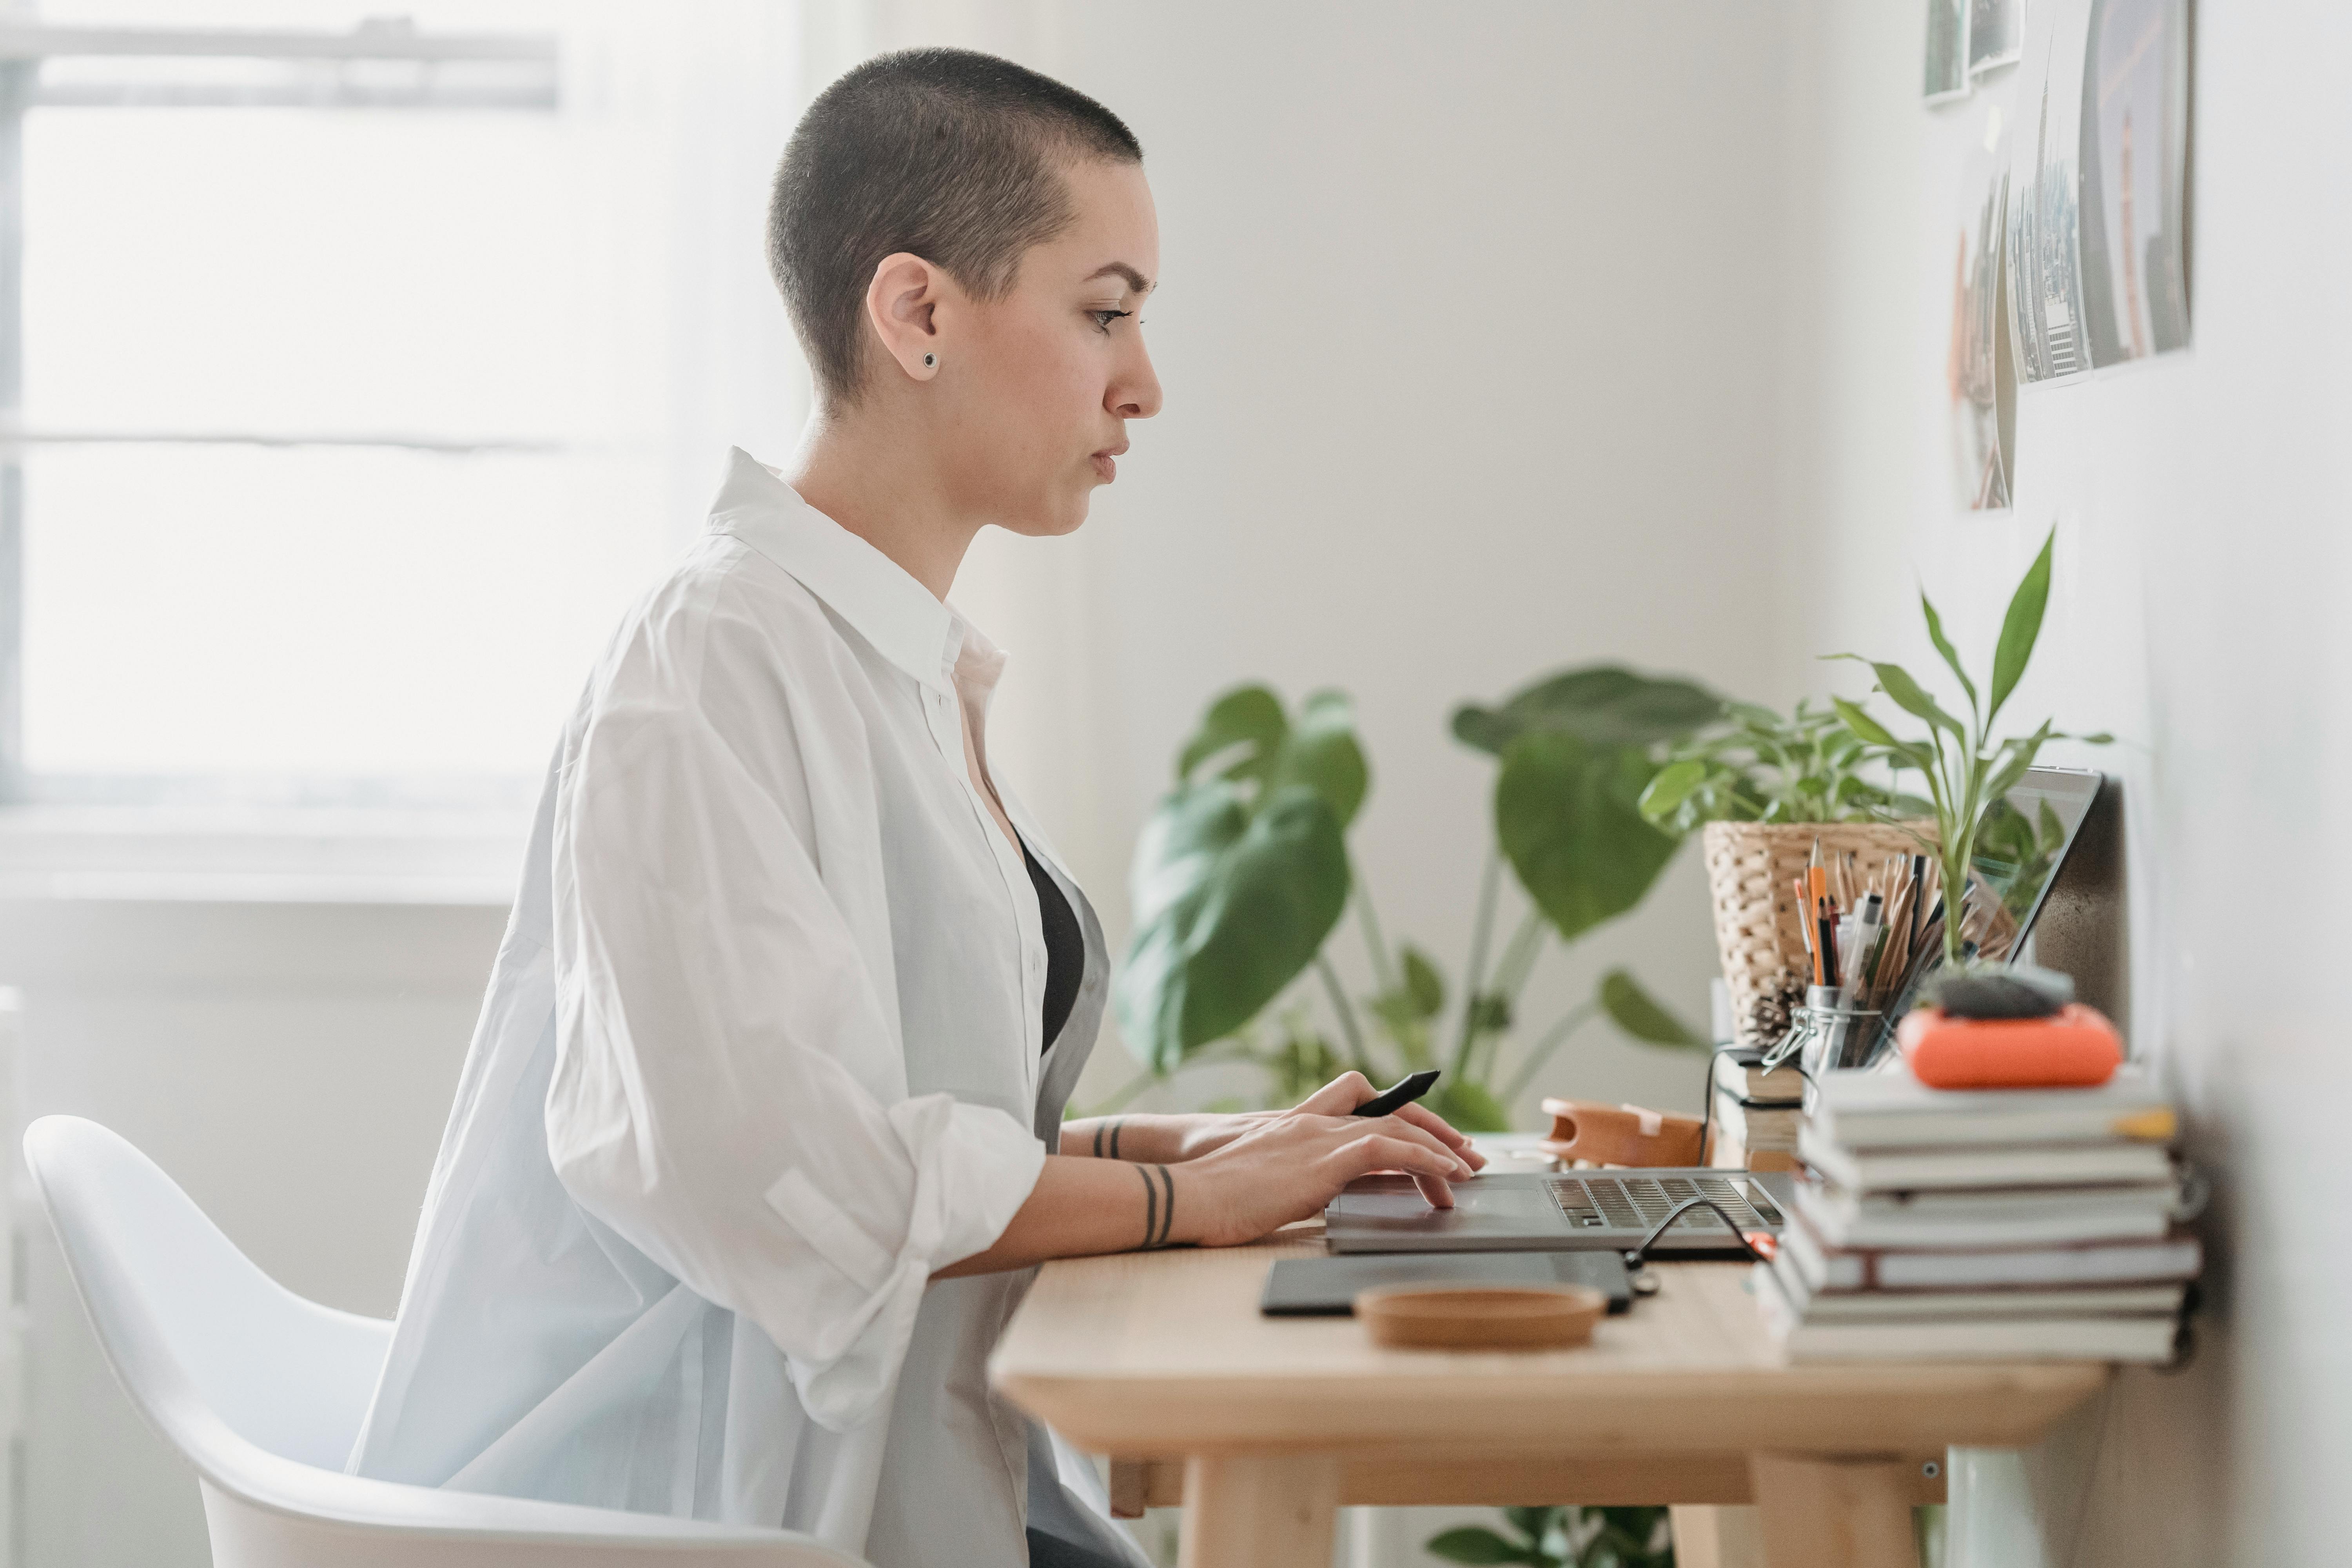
x: 1242, y: 878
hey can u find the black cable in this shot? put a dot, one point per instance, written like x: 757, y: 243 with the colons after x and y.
x: 1635, y: 1256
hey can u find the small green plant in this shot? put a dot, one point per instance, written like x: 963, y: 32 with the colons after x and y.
x: 1565, y: 1538
x: 1968, y: 772
x: 1758, y: 766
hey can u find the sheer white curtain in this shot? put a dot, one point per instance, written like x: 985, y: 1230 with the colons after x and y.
x: 693, y: 103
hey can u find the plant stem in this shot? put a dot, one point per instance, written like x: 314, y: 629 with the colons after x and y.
x: 1385, y: 972
x: 1511, y: 974
x: 1543, y: 1048
x: 1519, y: 959
x: 1474, y: 976
x: 1347, y: 1012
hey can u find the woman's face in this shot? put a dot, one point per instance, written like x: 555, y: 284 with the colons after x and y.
x: 1034, y: 389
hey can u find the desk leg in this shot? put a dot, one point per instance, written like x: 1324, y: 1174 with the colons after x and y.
x: 1833, y: 1514
x: 1716, y: 1535
x: 1259, y: 1510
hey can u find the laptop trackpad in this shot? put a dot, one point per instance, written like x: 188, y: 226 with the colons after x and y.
x: 1492, y: 1203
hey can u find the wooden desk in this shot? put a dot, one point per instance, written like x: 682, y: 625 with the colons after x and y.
x: 1163, y: 1357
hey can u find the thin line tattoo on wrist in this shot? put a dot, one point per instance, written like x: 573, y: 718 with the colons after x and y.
x: 1158, y: 1205
x: 1111, y: 1127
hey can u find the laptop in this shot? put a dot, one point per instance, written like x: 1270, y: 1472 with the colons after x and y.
x: 1571, y: 1211
x: 2026, y: 841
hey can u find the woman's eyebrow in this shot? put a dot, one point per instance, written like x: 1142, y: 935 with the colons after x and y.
x: 1134, y: 279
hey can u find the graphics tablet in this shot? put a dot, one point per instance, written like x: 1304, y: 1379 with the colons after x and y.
x: 1326, y: 1286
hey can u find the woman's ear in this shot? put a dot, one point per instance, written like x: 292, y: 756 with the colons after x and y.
x: 902, y: 306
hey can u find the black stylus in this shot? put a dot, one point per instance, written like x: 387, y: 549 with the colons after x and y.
x: 1406, y: 1090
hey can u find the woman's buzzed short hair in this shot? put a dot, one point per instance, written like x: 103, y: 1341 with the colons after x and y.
x: 945, y: 153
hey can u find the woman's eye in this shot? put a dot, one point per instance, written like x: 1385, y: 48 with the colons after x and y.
x: 1103, y: 319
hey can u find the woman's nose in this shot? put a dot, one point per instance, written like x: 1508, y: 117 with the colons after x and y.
x: 1136, y: 394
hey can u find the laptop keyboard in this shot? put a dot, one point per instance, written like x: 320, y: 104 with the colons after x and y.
x: 1637, y: 1202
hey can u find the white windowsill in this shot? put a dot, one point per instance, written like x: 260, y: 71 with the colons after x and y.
x: 289, y: 855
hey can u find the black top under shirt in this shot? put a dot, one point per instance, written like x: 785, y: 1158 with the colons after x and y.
x: 1066, y: 947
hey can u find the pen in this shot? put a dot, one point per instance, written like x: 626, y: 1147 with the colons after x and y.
x: 1398, y: 1095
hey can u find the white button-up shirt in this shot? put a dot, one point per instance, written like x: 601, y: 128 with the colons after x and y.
x: 761, y: 1051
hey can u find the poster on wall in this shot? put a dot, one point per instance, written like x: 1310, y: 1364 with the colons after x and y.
x: 2135, y: 163
x: 1996, y: 32
x: 1948, y: 51
x: 2045, y: 261
x: 1982, y: 382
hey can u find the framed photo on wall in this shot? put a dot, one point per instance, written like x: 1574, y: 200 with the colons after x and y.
x: 1947, y: 76
x: 2134, y: 166
x: 1982, y: 380
x: 2045, y: 255
x: 1995, y: 35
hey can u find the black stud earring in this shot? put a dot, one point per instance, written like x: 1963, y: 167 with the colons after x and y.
x: 930, y: 362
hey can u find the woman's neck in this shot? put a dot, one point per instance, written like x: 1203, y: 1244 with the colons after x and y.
x: 875, y: 481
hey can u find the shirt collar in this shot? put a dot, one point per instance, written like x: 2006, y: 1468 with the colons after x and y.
x: 865, y: 587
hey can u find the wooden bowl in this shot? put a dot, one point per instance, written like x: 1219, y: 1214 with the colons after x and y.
x: 1481, y: 1317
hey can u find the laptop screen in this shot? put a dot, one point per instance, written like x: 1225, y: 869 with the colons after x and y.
x: 2022, y: 847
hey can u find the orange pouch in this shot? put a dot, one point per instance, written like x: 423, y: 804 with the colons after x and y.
x: 2076, y: 1046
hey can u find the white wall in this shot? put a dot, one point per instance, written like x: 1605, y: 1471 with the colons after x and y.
x: 2200, y: 502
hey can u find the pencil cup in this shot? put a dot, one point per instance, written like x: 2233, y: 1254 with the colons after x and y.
x: 1827, y: 1036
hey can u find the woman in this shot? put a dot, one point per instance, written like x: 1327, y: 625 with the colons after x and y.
x: 762, y: 1128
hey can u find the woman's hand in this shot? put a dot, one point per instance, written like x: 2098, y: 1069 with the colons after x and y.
x: 1206, y: 1134
x: 1289, y: 1165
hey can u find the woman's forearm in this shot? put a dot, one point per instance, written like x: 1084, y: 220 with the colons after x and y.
x: 1161, y: 1140
x: 1081, y: 1207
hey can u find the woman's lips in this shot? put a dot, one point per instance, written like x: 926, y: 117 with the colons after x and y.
x: 1105, y: 467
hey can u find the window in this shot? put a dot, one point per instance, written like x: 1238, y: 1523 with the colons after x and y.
x: 340, y: 445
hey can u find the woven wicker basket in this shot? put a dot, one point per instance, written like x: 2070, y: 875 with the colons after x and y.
x: 1751, y: 872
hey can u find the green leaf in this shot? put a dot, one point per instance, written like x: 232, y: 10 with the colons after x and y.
x: 1673, y: 786
x: 1632, y: 1009
x: 1248, y: 716
x: 1913, y: 698
x: 1320, y: 753
x: 1229, y: 907
x: 1864, y: 725
x: 1470, y: 1107
x: 1567, y: 817
x: 1423, y: 984
x: 1944, y: 646
x: 2021, y: 627
x: 1605, y: 705
x: 1476, y: 1543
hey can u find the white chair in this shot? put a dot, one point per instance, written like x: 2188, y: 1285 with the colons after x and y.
x: 263, y: 1392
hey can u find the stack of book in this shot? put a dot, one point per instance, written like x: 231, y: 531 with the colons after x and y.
x: 1993, y: 1224
x: 1757, y: 1113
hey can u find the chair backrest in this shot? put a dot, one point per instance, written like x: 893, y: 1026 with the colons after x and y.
x: 208, y: 1346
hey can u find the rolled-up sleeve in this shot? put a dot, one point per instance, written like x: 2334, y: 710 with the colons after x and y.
x: 710, y: 999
